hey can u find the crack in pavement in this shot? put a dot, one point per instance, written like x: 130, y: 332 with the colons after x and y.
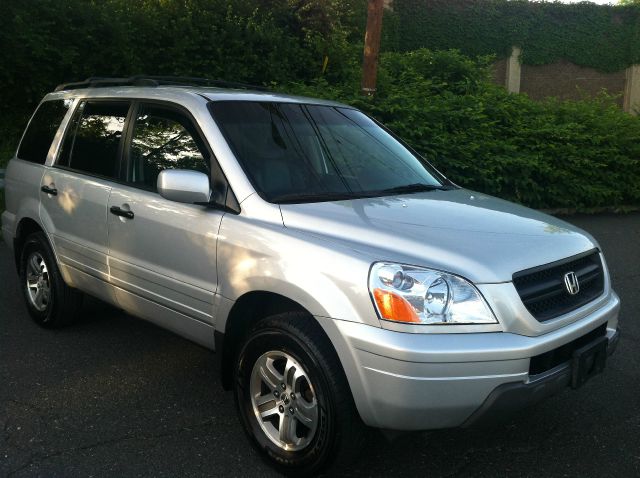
x: 39, y: 416
x: 35, y: 458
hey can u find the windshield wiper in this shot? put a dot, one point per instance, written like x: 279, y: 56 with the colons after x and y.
x: 414, y: 188
x: 339, y: 196
x: 320, y: 197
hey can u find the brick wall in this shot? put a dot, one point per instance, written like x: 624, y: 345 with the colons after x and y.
x: 500, y: 71
x: 567, y: 81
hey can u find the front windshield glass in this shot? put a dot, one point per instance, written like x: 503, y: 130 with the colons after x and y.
x: 303, y: 153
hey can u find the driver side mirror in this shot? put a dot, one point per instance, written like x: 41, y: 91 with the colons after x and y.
x: 182, y: 185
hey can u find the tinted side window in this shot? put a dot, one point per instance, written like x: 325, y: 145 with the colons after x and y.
x: 163, y: 139
x: 93, y: 142
x: 42, y: 129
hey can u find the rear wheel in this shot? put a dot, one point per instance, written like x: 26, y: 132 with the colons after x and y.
x: 293, y: 397
x: 50, y: 302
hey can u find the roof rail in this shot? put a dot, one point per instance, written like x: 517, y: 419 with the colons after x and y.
x: 144, y: 80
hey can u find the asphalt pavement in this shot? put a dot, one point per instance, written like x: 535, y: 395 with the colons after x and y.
x: 114, y: 396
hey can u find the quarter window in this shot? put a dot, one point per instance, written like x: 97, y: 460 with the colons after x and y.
x: 42, y: 129
x: 93, y: 143
x: 163, y: 139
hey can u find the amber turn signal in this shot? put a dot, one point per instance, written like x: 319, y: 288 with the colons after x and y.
x: 394, y: 307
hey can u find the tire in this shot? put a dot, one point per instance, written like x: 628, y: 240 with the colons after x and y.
x: 329, y: 434
x: 51, y: 303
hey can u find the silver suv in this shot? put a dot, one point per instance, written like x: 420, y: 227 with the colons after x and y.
x: 341, y: 280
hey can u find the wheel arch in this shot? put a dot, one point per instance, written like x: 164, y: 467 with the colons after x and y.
x: 26, y: 226
x: 247, y: 311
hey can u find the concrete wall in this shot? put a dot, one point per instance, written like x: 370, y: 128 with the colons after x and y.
x: 632, y: 90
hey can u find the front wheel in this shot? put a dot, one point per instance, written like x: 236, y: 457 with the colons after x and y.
x: 293, y: 397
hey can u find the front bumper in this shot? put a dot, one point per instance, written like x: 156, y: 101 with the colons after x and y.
x: 406, y: 381
x: 509, y: 398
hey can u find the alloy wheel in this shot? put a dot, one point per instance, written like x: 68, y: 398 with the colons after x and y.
x: 38, y: 282
x: 284, y: 400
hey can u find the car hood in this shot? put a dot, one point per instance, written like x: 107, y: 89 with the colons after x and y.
x: 471, y: 234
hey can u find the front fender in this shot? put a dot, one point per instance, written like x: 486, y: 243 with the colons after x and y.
x: 326, y: 279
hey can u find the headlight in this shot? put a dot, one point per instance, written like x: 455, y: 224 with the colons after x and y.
x: 425, y: 296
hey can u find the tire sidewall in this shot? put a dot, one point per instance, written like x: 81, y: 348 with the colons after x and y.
x: 36, y: 243
x: 316, y: 454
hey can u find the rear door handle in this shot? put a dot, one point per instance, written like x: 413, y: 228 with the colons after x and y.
x: 121, y: 212
x: 48, y: 190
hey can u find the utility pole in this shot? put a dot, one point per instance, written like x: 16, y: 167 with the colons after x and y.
x: 375, y: 10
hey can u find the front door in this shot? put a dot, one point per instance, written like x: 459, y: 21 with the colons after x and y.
x: 163, y: 253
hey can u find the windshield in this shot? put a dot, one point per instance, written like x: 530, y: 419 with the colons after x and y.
x: 303, y: 153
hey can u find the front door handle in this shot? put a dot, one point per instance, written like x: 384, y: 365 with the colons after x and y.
x: 121, y: 212
x: 49, y: 190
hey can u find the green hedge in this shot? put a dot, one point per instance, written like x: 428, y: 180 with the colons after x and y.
x: 551, y: 154
x: 544, y: 154
x: 603, y: 37
x: 47, y: 42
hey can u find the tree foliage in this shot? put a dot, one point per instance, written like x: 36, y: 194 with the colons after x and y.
x: 46, y: 42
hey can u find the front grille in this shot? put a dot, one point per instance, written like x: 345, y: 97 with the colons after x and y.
x: 543, y: 291
x: 548, y: 360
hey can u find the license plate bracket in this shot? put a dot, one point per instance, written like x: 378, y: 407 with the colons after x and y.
x: 588, y: 360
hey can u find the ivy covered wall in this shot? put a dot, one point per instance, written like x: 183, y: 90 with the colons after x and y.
x: 603, y: 37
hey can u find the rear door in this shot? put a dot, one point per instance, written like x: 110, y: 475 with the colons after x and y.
x: 24, y: 177
x: 76, y: 189
x: 163, y: 253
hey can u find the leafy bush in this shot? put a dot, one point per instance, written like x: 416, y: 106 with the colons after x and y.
x: 576, y: 154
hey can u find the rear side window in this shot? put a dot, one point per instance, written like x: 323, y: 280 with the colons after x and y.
x: 92, y: 144
x: 42, y: 129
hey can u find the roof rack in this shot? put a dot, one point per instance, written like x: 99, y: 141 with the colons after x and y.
x: 143, y: 80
